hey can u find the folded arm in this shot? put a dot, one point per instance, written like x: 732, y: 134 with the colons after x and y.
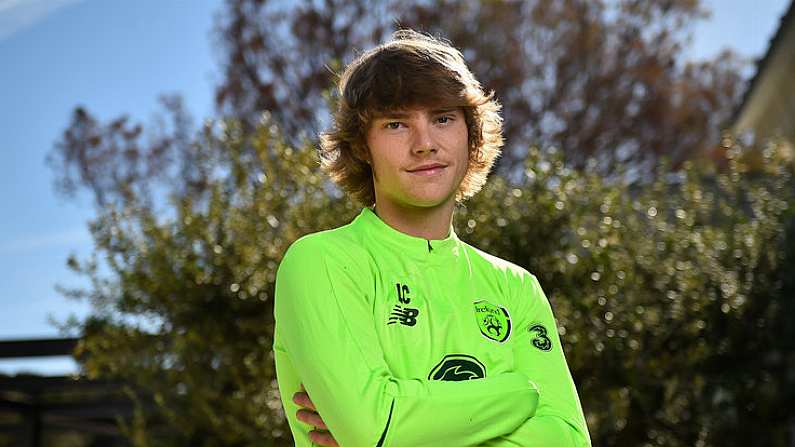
x: 325, y: 331
x: 559, y: 419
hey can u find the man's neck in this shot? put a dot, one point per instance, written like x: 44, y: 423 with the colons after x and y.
x: 427, y: 223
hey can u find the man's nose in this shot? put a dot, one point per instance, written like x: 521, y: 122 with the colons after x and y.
x: 423, y: 139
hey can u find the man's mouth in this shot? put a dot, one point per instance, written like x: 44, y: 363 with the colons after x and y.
x: 428, y: 169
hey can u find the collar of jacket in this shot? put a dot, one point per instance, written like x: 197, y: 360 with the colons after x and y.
x: 432, y: 251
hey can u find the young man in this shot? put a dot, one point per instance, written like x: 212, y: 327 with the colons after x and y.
x: 401, y: 333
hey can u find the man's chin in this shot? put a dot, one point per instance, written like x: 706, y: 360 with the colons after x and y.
x: 429, y: 203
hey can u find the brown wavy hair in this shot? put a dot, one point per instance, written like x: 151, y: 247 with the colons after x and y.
x: 411, y: 70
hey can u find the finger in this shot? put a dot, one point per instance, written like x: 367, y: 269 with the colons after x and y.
x: 303, y: 400
x: 311, y: 418
x: 323, y: 438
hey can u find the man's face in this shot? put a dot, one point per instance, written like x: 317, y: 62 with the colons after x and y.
x: 403, y: 142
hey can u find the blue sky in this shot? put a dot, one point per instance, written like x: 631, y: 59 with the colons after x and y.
x: 115, y: 57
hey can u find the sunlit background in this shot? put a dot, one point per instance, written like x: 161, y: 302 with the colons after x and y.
x: 114, y: 58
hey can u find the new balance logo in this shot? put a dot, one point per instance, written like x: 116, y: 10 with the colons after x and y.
x: 403, y: 315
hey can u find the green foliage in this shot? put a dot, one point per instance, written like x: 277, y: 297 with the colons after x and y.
x: 671, y: 298
x: 668, y: 296
x: 186, y: 313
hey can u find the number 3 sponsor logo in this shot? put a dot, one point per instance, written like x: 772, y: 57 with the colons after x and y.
x: 539, y: 337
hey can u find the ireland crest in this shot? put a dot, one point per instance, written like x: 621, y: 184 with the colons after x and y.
x: 494, y: 321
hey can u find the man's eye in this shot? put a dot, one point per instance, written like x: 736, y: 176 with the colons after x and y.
x: 394, y: 125
x: 444, y: 119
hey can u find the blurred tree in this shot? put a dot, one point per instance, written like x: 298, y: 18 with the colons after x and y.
x: 669, y: 298
x: 672, y: 300
x: 597, y: 79
x: 114, y: 164
x: 184, y: 311
x: 601, y: 79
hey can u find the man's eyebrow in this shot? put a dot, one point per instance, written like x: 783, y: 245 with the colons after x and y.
x: 403, y: 115
x: 388, y: 115
x: 444, y: 110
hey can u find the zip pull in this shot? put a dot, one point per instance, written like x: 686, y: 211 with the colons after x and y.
x: 430, y: 249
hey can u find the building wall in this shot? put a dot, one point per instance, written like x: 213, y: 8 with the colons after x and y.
x: 769, y: 107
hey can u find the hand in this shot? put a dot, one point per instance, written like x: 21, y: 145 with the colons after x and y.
x: 310, y: 415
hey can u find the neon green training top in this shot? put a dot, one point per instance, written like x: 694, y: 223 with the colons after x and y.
x: 401, y: 341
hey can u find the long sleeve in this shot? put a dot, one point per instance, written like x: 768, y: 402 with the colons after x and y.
x: 559, y: 420
x: 326, y: 339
